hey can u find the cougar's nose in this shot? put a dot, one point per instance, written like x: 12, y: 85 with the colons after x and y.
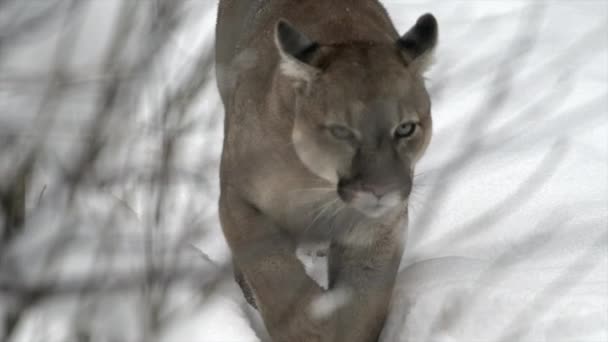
x: 377, y: 190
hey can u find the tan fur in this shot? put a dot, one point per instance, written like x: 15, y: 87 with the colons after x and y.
x: 281, y: 167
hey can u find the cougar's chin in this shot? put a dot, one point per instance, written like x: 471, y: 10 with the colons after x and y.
x: 372, y: 206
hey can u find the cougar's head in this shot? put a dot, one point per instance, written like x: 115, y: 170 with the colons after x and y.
x: 362, y: 113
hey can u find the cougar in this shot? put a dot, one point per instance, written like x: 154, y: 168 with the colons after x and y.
x: 326, y: 116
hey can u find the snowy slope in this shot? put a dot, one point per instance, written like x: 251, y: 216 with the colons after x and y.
x: 509, y: 238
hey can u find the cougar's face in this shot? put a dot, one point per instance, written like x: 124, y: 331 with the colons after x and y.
x: 362, y: 113
x: 362, y: 124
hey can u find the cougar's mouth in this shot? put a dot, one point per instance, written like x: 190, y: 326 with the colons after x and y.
x: 371, y: 201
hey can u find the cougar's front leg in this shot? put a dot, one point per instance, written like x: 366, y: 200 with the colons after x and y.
x: 365, y: 274
x: 265, y: 256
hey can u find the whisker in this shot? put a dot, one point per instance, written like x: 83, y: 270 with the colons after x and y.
x: 322, y: 210
x: 333, y: 220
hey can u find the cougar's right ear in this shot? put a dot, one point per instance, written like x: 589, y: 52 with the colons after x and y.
x: 296, y: 51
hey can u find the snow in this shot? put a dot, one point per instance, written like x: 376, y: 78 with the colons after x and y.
x: 516, y: 247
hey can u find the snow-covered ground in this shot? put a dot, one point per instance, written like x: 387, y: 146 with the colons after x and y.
x: 508, y: 234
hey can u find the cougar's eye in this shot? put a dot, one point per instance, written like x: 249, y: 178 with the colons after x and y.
x: 405, y: 130
x: 341, y: 132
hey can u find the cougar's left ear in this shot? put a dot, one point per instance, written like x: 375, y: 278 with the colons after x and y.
x: 296, y: 51
x: 419, y: 42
